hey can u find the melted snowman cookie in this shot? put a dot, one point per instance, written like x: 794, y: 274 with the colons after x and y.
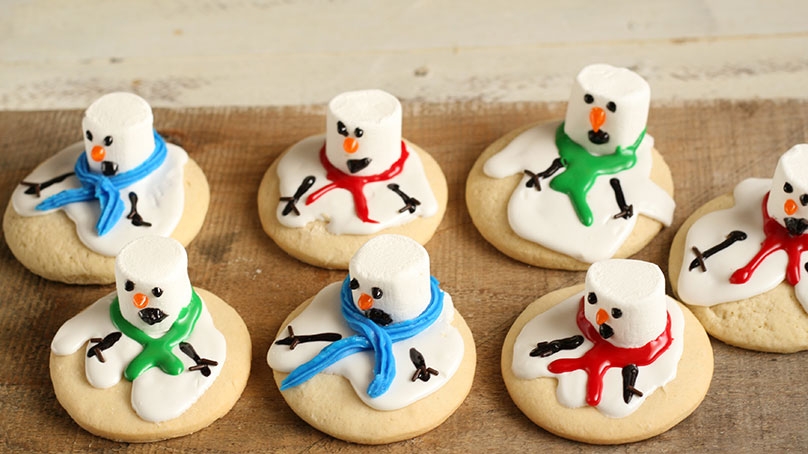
x: 738, y: 260
x: 328, y: 194
x: 587, y: 363
x: 566, y: 194
x: 386, y: 344
x: 90, y: 199
x: 157, y: 358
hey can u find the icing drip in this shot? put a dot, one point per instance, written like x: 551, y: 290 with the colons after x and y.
x: 777, y: 238
x: 603, y: 355
x: 157, y: 352
x: 356, y: 184
x: 370, y: 336
x: 582, y: 168
x: 106, y: 189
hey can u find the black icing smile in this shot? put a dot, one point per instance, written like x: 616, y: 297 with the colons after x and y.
x: 109, y: 168
x: 355, y: 165
x: 152, y: 315
x: 598, y: 138
x: 379, y: 317
x: 605, y: 331
x: 796, y: 226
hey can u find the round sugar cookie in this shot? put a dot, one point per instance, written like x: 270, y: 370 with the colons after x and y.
x: 773, y: 321
x: 49, y: 246
x: 315, y: 245
x: 108, y: 412
x: 487, y: 201
x: 663, y: 409
x: 329, y: 403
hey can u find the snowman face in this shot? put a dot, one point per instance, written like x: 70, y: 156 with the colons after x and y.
x: 152, y: 283
x: 363, y: 132
x: 608, y: 107
x: 625, y: 301
x: 788, y: 197
x: 390, y: 279
x: 117, y: 130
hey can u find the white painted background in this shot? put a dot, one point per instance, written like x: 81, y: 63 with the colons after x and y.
x: 63, y: 54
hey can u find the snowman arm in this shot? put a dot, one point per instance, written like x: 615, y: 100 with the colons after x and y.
x: 544, y: 349
x: 701, y: 256
x: 102, y: 344
x: 422, y: 372
x: 626, y: 210
x: 293, y: 340
x: 305, y: 185
x: 36, y: 188
x: 134, y: 216
x: 410, y: 203
x: 630, y: 373
x: 203, y: 365
x: 534, y: 179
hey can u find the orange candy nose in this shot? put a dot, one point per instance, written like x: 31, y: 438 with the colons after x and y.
x: 365, y: 301
x: 140, y: 300
x: 350, y: 145
x: 98, y: 153
x: 790, y: 207
x: 601, y: 317
x: 596, y: 118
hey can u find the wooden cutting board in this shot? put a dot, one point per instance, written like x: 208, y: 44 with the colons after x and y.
x: 756, y: 401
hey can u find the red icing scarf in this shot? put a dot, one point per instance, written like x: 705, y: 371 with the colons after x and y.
x: 355, y: 185
x: 603, y: 356
x: 777, y: 238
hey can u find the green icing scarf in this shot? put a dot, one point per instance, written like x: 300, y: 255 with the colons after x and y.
x: 582, y: 168
x: 158, y: 352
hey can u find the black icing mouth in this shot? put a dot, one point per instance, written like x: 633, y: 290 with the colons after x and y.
x: 379, y: 317
x: 109, y: 168
x: 152, y: 315
x: 796, y: 226
x: 355, y: 165
x: 598, y: 138
x: 605, y: 331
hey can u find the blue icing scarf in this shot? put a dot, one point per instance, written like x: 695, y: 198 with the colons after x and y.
x: 370, y: 336
x: 106, y: 189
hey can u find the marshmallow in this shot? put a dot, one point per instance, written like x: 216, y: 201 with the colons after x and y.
x: 616, y: 96
x: 627, y: 299
x: 790, y: 174
x: 120, y: 125
x: 361, y: 125
x: 398, y: 267
x: 157, y: 268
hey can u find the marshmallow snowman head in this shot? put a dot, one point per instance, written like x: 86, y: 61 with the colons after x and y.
x: 788, y: 198
x: 151, y: 278
x: 608, y: 107
x: 118, y: 134
x: 390, y: 280
x: 363, y: 132
x: 625, y: 301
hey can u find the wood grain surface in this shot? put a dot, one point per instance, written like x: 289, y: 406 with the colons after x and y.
x: 756, y: 401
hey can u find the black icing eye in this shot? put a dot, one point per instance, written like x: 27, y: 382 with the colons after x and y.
x: 88, y: 135
x: 804, y: 199
x: 341, y: 129
x: 354, y: 284
x: 617, y: 313
x: 611, y: 106
x: 358, y: 132
x: 589, y: 99
x: 157, y: 292
x: 592, y: 298
x: 108, y: 140
x: 376, y: 292
x: 129, y: 286
x: 788, y: 188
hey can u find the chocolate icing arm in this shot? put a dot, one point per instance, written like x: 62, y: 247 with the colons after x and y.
x: 410, y: 203
x: 102, y: 344
x: 36, y: 188
x: 291, y: 202
x: 545, y: 349
x: 422, y: 372
x: 535, y: 178
x: 202, y: 364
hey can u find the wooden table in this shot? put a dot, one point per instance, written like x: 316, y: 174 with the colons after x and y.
x: 756, y: 401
